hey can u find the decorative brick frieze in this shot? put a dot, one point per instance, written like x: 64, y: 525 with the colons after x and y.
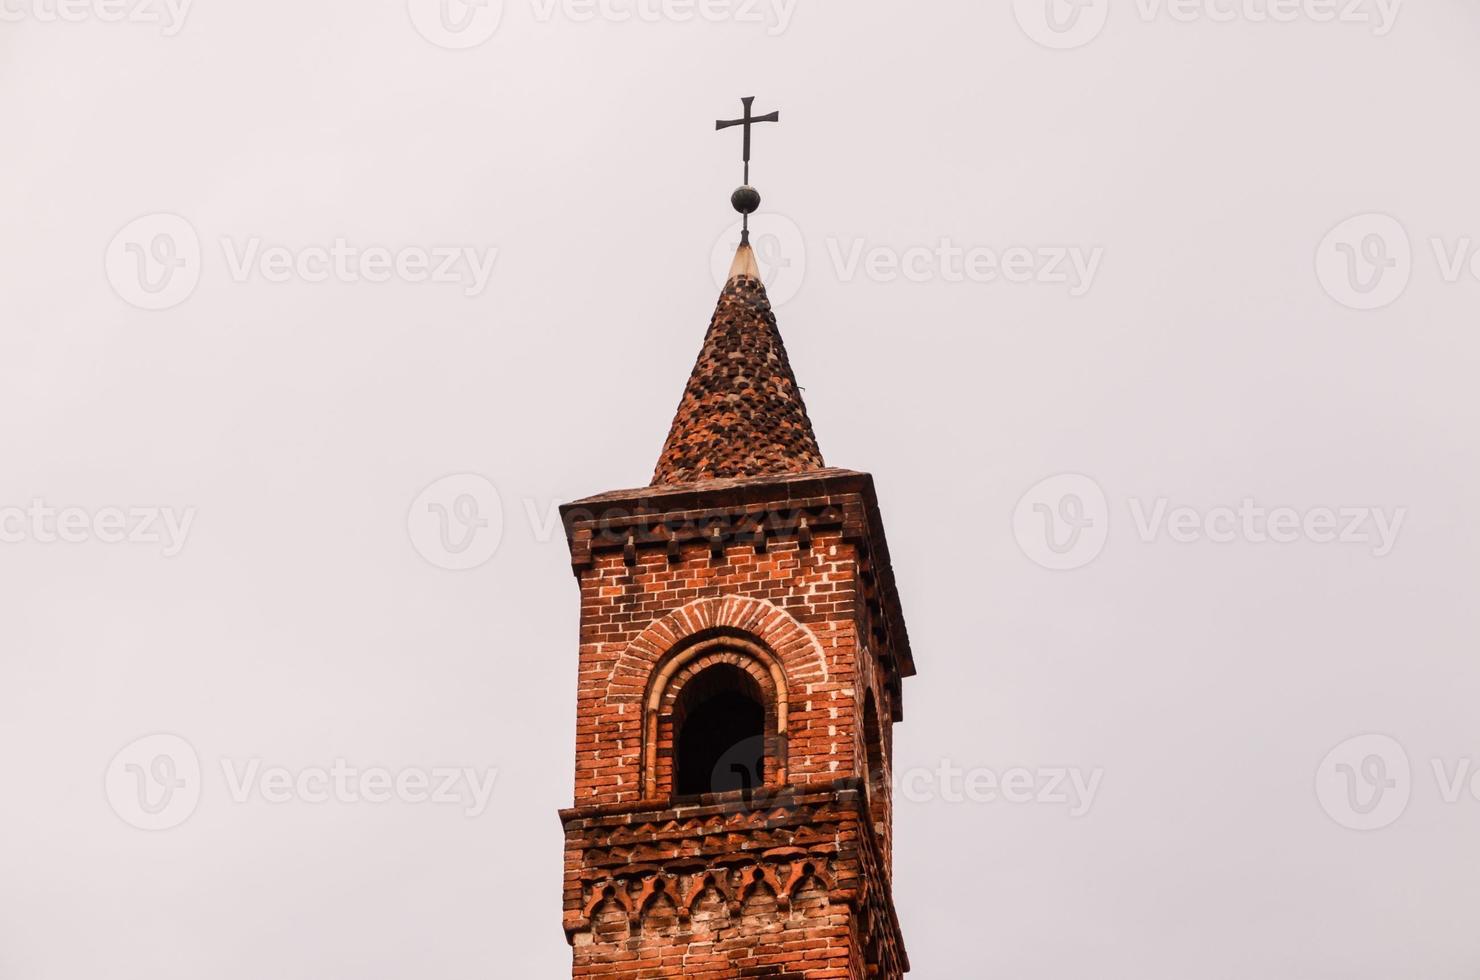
x: 727, y: 875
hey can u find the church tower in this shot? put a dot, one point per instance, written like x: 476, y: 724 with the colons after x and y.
x: 741, y: 657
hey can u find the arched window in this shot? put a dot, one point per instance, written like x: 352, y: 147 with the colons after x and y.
x: 715, y: 719
x: 719, y: 722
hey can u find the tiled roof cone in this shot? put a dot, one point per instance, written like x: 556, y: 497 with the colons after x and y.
x: 741, y: 414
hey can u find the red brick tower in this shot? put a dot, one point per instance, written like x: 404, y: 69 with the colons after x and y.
x: 741, y: 653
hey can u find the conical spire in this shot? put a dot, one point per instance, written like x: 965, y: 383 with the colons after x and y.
x: 741, y: 414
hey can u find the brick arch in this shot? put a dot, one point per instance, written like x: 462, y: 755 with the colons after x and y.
x: 665, y: 690
x: 769, y: 624
x: 786, y: 654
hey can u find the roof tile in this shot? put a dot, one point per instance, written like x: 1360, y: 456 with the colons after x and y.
x: 741, y: 414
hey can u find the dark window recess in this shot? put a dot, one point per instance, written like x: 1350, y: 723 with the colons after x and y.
x: 721, y: 744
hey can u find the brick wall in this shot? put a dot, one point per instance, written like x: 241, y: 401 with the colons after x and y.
x: 791, y: 880
x: 802, y: 601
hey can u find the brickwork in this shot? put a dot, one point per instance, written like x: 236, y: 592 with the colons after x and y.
x: 781, y: 580
x: 790, y: 888
x: 741, y: 657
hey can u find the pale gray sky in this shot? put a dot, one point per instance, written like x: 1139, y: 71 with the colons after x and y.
x: 1118, y: 262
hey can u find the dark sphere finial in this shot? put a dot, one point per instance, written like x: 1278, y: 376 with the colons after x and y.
x: 746, y: 200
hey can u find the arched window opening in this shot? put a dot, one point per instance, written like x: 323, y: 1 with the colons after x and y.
x: 720, y: 721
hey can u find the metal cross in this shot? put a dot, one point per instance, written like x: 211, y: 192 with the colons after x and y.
x: 747, y: 121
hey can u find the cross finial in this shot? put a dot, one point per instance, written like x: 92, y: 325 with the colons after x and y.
x: 746, y: 199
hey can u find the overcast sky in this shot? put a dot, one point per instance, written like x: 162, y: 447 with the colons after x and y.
x: 1157, y: 330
